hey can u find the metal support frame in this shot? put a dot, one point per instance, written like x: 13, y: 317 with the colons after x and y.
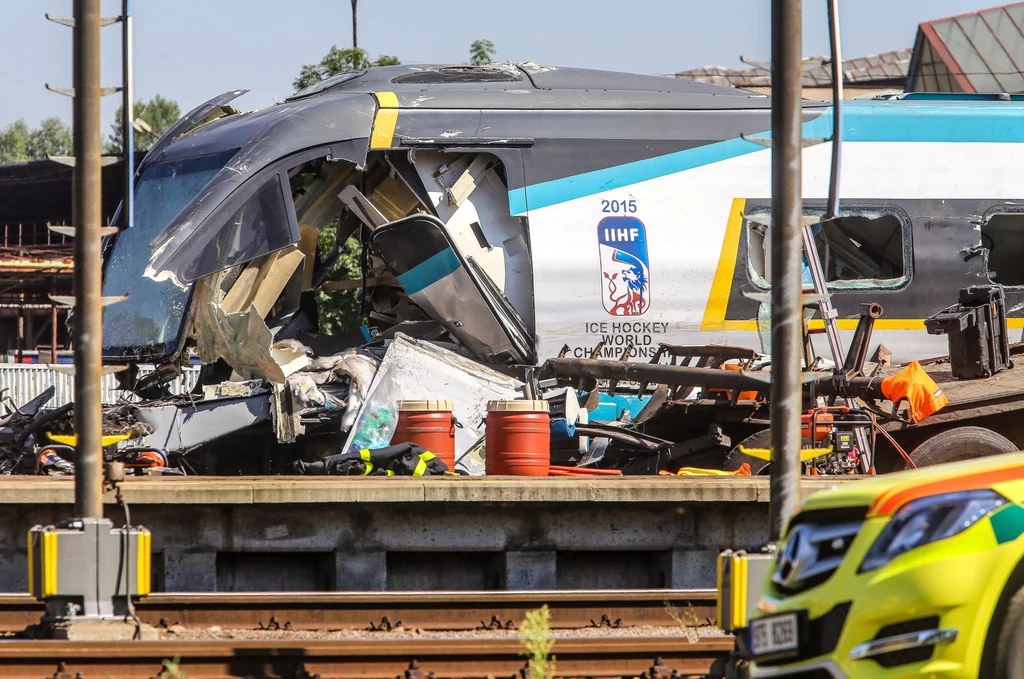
x: 86, y: 208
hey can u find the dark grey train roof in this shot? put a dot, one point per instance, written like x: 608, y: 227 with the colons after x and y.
x: 526, y: 107
x: 530, y: 86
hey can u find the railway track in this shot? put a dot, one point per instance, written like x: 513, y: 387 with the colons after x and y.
x: 422, y: 610
x: 362, y: 659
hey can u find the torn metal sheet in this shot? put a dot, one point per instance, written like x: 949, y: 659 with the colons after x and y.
x: 469, y: 197
x: 232, y: 219
x: 413, y: 369
x: 260, y: 284
x: 181, y: 427
x: 242, y: 339
x: 453, y: 290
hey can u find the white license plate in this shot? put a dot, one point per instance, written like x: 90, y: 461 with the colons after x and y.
x: 774, y: 635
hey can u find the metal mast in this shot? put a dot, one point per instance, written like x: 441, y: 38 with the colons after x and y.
x: 787, y: 246
x: 87, y: 216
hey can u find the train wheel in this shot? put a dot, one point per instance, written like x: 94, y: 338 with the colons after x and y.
x: 961, y: 443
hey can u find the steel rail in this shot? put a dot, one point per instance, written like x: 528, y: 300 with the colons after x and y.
x: 414, y: 610
x: 596, y: 656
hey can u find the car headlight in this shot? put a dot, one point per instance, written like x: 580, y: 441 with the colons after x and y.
x: 928, y: 519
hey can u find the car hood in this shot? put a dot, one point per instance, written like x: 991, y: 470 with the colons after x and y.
x: 885, y: 494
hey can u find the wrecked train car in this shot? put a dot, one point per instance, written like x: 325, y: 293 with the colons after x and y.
x: 510, y: 213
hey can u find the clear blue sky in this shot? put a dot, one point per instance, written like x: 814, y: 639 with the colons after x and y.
x: 190, y: 50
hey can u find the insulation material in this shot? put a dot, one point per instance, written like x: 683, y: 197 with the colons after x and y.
x: 394, y: 199
x: 480, y: 224
x: 414, y: 369
x: 262, y: 284
x: 242, y: 339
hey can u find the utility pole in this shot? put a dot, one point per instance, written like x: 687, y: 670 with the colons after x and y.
x: 787, y: 245
x: 87, y: 215
x: 127, y: 118
x: 355, y: 32
x: 109, y: 565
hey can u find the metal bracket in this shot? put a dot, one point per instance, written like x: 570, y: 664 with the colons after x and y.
x: 70, y: 231
x: 69, y: 300
x: 70, y: 91
x: 69, y: 369
x: 765, y: 219
x: 70, y: 21
x: 70, y: 160
x: 767, y: 141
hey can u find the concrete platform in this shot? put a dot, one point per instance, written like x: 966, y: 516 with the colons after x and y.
x: 212, y: 490
x: 343, y: 533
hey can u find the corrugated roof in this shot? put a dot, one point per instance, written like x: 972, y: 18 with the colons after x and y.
x: 879, y: 69
x: 980, y: 51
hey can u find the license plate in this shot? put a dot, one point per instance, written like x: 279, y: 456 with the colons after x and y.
x: 774, y: 635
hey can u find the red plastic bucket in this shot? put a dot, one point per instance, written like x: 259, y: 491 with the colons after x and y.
x: 429, y: 424
x: 518, y: 438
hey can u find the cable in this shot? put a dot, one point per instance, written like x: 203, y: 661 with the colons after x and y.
x: 128, y: 560
x: 898, y: 447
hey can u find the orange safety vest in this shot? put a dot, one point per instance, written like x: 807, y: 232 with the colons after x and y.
x: 914, y: 384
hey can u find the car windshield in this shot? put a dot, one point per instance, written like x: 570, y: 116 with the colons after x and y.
x: 149, y: 321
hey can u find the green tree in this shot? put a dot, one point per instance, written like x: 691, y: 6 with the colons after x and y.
x: 158, y: 113
x: 340, y: 61
x: 53, y: 138
x: 20, y: 143
x: 481, y: 52
x: 339, y: 311
x: 14, y: 142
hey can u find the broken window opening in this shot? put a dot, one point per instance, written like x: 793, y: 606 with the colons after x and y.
x: 150, y: 320
x: 864, y: 248
x: 1002, y: 235
x: 491, y: 73
x: 336, y: 209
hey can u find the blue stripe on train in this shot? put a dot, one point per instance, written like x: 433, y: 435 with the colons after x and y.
x: 428, y: 272
x: 885, y: 121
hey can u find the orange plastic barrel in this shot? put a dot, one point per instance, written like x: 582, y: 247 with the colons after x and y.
x: 429, y: 424
x: 518, y: 438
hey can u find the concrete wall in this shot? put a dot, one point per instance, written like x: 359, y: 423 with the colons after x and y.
x: 420, y: 546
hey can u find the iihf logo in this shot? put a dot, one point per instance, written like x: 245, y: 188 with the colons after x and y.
x: 625, y: 273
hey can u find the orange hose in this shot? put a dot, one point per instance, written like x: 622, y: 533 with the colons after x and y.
x: 898, y: 447
x: 555, y: 470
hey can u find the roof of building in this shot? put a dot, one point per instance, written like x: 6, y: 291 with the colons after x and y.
x: 879, y: 69
x: 981, y: 51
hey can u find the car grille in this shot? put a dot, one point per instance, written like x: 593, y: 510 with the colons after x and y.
x: 822, y: 635
x: 816, y: 543
x: 910, y: 655
x: 806, y: 674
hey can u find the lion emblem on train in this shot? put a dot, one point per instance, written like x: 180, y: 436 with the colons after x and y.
x: 625, y: 267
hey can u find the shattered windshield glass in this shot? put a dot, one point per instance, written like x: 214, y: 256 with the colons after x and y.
x: 149, y: 321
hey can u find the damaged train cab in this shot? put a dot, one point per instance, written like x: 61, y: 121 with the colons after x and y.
x: 505, y: 213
